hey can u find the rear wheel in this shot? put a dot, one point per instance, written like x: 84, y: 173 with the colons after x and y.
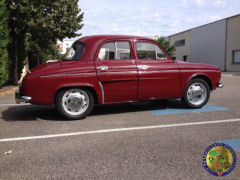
x: 196, y: 94
x: 74, y: 103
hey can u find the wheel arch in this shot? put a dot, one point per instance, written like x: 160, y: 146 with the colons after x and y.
x: 203, y: 77
x: 89, y: 88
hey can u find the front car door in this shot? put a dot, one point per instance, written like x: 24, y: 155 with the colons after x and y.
x: 159, y: 75
x: 117, y: 71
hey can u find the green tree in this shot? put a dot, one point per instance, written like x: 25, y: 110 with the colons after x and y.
x: 17, y: 29
x: 42, y: 23
x: 53, y: 20
x: 166, y: 45
x: 52, y: 53
x: 4, y: 39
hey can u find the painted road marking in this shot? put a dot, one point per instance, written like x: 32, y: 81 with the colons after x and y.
x: 234, y: 143
x: 117, y: 130
x: 2, y: 105
x: 206, y: 108
x: 227, y: 75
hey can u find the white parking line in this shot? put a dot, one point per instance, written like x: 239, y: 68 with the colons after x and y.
x: 2, y: 105
x: 117, y: 130
x: 227, y: 75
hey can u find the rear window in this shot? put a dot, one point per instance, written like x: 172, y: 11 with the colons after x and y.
x: 75, y: 52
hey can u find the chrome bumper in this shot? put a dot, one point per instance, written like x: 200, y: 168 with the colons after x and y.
x: 220, y: 85
x: 19, y: 98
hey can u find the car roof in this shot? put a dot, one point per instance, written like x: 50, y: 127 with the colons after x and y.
x: 104, y: 37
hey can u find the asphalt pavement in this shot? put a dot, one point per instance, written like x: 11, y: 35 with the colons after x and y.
x: 146, y: 140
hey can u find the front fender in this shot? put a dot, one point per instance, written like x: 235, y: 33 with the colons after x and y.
x: 212, y: 77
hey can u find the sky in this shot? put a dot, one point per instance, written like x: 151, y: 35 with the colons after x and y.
x: 152, y: 17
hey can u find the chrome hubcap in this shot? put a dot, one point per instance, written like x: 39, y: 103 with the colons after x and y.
x: 197, y: 93
x: 75, y: 101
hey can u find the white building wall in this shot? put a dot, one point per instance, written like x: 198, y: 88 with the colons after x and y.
x: 208, y: 44
x: 183, y: 50
x: 233, y: 42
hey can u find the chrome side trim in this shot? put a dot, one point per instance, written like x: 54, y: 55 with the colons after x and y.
x: 100, y: 84
x: 202, y: 70
x: 160, y: 71
x: 57, y: 75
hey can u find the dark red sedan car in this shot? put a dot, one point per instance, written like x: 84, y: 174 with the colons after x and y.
x: 111, y: 69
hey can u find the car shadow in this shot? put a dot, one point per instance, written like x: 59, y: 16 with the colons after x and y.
x: 30, y: 113
x: 137, y: 106
x: 38, y: 112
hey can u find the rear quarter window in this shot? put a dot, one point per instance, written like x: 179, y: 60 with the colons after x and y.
x: 75, y: 52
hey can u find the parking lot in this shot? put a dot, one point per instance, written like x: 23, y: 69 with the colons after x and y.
x: 146, y: 140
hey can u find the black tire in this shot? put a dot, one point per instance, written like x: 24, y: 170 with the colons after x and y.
x: 204, y: 98
x: 62, y: 109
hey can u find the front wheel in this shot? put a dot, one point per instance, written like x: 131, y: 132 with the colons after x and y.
x: 196, y: 94
x: 74, y: 103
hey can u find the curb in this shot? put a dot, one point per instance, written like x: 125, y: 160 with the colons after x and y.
x: 8, y: 90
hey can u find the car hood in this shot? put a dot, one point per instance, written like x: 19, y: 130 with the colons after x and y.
x: 196, y: 66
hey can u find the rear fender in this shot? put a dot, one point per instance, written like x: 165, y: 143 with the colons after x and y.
x: 95, y: 89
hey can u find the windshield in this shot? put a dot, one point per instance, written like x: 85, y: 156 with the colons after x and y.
x: 75, y: 52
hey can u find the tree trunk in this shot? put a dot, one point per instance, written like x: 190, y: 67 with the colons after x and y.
x: 15, y: 72
x: 14, y: 62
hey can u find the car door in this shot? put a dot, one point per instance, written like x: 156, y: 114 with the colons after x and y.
x: 159, y: 75
x: 117, y: 71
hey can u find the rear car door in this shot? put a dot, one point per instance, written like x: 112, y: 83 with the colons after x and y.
x: 159, y: 75
x: 117, y: 71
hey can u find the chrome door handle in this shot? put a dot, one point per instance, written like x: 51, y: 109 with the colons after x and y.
x: 103, y: 68
x: 143, y: 66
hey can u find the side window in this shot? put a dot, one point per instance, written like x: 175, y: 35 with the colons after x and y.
x: 123, y: 50
x: 146, y: 51
x: 149, y: 51
x: 115, y: 50
x: 160, y: 54
x: 107, y: 51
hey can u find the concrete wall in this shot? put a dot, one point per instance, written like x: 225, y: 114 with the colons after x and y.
x: 233, y: 42
x: 208, y: 44
x: 181, y: 50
